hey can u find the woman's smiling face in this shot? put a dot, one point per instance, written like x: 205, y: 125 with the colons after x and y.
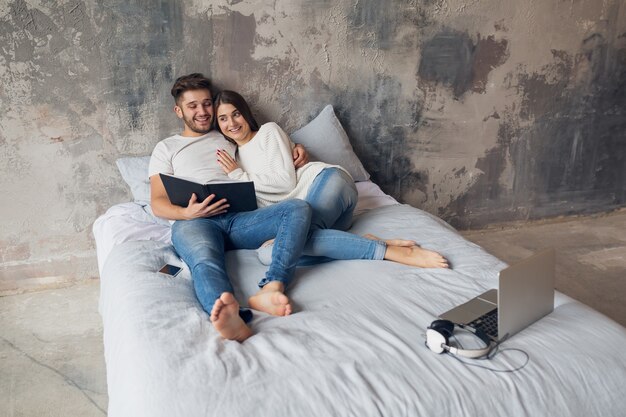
x: 233, y: 124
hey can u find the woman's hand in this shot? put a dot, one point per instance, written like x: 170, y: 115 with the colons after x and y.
x: 226, y: 161
x: 196, y: 209
x: 300, y: 156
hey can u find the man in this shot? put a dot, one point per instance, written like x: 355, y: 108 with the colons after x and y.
x: 203, y: 230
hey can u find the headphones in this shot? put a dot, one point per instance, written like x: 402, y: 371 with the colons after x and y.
x: 439, y: 333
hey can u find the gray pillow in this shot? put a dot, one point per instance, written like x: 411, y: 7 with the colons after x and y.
x: 326, y: 141
x: 134, y: 170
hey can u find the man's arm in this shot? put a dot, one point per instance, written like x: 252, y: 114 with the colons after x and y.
x: 162, y: 207
x: 300, y: 156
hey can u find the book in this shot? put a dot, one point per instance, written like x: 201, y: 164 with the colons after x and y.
x: 239, y: 194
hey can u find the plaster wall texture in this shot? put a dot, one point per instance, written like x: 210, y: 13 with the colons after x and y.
x: 476, y: 111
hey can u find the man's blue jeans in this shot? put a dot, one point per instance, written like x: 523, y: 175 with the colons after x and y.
x: 201, y: 243
x: 333, y: 197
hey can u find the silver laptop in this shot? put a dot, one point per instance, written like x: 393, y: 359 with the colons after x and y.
x: 525, y: 294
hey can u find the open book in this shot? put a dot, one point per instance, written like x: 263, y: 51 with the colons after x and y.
x: 240, y: 194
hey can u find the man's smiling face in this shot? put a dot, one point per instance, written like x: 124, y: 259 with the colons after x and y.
x: 195, y: 107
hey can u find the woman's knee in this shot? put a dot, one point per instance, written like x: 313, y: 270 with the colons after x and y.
x: 351, y: 193
x: 345, y: 189
x: 341, y: 184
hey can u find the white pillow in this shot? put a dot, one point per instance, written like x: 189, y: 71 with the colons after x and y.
x: 134, y: 170
x: 326, y: 140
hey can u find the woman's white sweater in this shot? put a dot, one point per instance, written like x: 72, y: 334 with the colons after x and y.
x: 267, y: 160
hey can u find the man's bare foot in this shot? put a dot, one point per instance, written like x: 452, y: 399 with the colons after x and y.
x: 393, y: 242
x: 226, y: 320
x: 416, y: 256
x: 271, y: 299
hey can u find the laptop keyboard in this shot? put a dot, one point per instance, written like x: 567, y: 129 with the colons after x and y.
x: 488, y: 323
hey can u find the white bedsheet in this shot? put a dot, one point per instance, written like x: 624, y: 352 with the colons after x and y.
x: 353, y: 347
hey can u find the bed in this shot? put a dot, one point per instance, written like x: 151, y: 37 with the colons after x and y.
x: 355, y: 344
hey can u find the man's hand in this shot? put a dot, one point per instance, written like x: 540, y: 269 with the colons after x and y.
x: 196, y: 209
x: 226, y: 161
x: 300, y: 156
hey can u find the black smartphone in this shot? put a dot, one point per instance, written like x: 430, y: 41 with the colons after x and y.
x: 170, y: 270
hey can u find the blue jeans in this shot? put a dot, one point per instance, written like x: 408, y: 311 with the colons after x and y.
x: 333, y: 197
x: 201, y: 243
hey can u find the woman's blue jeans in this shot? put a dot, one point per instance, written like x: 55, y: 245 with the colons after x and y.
x: 201, y: 243
x: 332, y: 197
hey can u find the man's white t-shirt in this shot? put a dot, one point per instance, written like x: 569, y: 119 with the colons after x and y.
x: 191, y: 157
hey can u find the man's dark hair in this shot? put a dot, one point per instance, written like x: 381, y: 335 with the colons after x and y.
x: 195, y: 81
x: 238, y: 102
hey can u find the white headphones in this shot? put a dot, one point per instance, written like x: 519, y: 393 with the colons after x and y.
x: 438, y: 335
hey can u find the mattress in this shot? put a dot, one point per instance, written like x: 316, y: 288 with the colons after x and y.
x: 355, y: 343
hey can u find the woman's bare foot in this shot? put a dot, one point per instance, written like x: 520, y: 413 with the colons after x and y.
x: 416, y: 256
x: 271, y: 299
x: 226, y: 320
x: 393, y: 242
x: 267, y: 243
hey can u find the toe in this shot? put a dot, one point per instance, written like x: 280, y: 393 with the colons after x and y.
x: 227, y: 298
x: 215, y: 311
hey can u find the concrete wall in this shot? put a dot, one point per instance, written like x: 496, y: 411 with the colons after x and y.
x: 476, y: 111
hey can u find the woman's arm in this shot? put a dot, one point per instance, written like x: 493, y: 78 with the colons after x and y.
x: 273, y: 169
x: 300, y: 156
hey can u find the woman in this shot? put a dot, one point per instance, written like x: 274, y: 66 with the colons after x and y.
x: 263, y: 156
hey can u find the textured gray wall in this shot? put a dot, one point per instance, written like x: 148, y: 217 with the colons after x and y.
x: 476, y: 111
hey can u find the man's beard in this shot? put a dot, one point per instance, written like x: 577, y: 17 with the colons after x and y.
x: 191, y: 124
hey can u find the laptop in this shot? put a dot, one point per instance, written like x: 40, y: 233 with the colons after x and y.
x: 525, y: 294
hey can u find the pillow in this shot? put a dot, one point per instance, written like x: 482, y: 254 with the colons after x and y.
x: 134, y: 170
x: 326, y: 141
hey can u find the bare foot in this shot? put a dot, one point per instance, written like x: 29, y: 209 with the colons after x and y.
x: 416, y: 256
x: 393, y: 242
x: 226, y: 320
x: 271, y: 299
x: 267, y: 243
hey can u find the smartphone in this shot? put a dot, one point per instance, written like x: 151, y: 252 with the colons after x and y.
x: 170, y: 270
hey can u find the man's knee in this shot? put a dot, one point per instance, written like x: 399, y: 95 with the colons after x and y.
x: 178, y: 228
x: 183, y: 227
x: 195, y: 231
x: 297, y: 205
x: 298, y: 209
